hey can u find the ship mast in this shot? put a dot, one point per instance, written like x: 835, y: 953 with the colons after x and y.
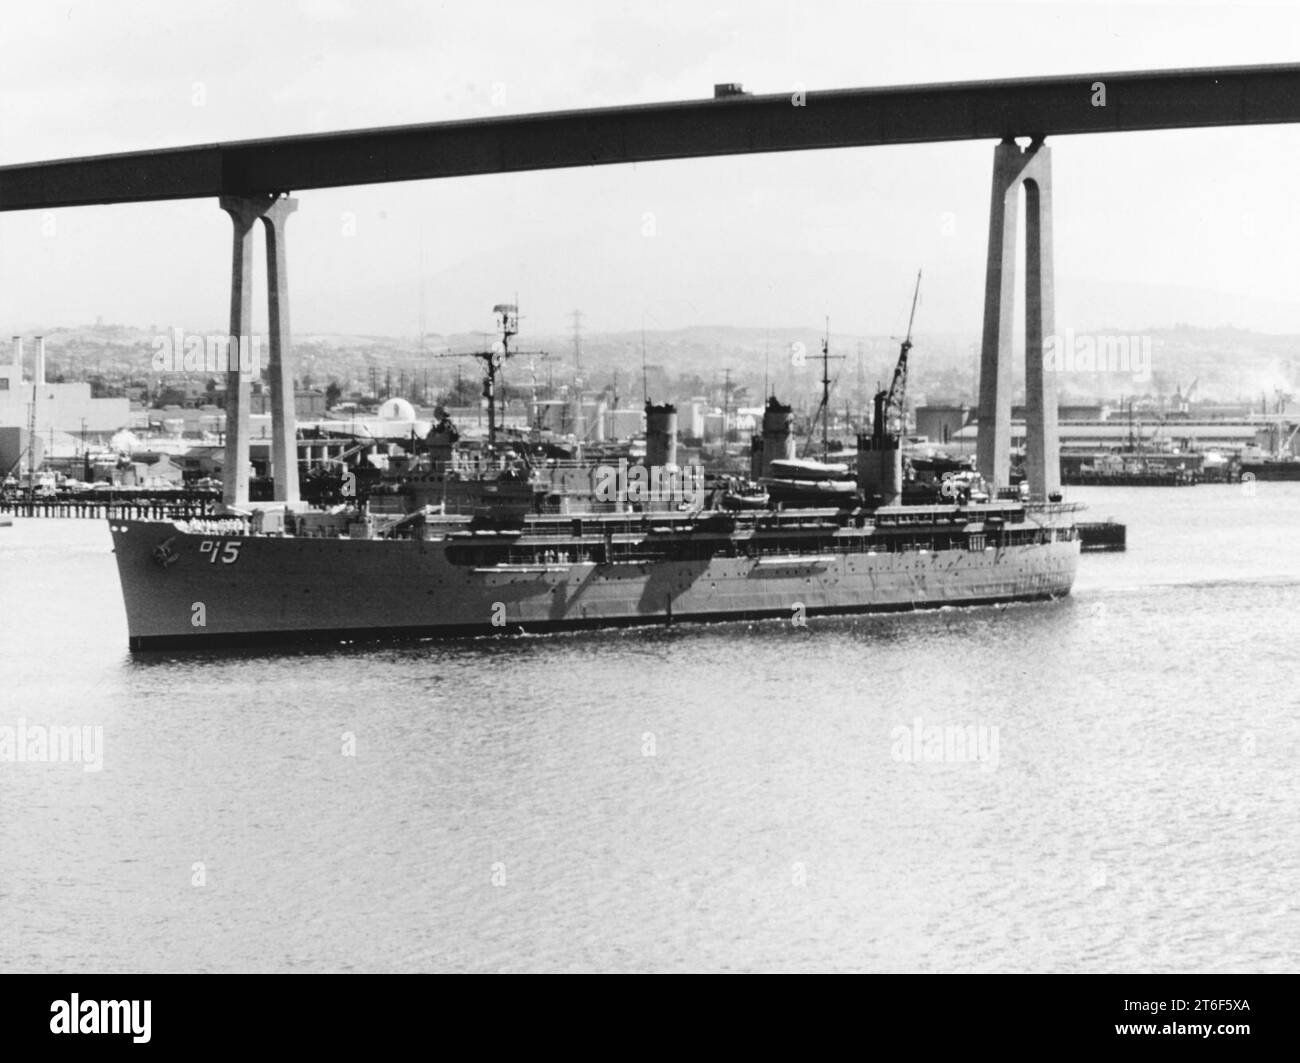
x: 824, y: 407
x: 826, y: 390
x: 493, y: 359
x: 508, y: 324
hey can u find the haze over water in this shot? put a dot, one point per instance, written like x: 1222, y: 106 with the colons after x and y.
x: 720, y: 797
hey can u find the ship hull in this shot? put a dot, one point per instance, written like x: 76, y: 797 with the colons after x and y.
x: 1271, y: 470
x: 194, y: 590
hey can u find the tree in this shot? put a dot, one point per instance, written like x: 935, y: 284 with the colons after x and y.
x: 466, y: 392
x: 333, y: 393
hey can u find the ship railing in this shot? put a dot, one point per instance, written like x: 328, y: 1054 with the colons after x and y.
x: 224, y: 526
x: 1053, y: 513
x: 1054, y: 508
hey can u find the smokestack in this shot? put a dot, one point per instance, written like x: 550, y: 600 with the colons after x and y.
x: 880, y: 461
x: 778, y: 442
x: 660, y: 434
x: 18, y: 356
x: 38, y: 371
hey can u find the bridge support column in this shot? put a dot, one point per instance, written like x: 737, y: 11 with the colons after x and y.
x: 1012, y: 167
x: 244, y: 212
x: 284, y: 424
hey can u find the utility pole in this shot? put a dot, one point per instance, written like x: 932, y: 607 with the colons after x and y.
x: 31, y: 441
x: 767, y: 363
x: 422, y: 292
x: 862, y: 376
x: 577, y: 316
x: 726, y: 403
x: 645, y: 376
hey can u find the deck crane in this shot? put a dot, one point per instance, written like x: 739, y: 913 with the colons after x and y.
x: 890, y: 416
x: 1281, y: 450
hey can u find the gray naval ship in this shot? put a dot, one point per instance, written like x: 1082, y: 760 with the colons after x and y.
x: 292, y: 574
x: 224, y: 583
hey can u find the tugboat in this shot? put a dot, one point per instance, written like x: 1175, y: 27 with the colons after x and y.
x: 1278, y: 462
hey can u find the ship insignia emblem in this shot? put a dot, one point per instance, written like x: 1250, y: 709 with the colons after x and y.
x: 164, y: 554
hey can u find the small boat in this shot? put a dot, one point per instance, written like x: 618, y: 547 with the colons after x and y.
x: 745, y: 494
x: 809, y: 492
x: 802, y: 469
x: 800, y: 482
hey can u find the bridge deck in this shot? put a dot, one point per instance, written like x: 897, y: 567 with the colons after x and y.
x: 1056, y: 106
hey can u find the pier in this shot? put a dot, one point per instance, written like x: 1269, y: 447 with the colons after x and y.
x: 122, y: 505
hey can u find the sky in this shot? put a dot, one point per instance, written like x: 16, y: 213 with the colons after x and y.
x: 1199, y: 226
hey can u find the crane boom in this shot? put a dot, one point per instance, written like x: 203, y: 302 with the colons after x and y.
x: 889, y: 404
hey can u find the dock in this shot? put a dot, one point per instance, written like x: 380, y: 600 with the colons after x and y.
x: 142, y: 505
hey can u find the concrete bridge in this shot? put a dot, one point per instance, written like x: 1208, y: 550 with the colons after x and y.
x: 252, y: 181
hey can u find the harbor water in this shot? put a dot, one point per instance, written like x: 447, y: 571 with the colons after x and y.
x: 1103, y: 783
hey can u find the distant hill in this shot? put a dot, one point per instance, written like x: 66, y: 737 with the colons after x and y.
x: 1226, y: 362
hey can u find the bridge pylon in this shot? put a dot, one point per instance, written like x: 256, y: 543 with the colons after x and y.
x: 1014, y: 166
x: 274, y: 211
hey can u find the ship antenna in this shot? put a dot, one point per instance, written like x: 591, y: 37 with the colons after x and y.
x: 645, y: 379
x: 767, y: 360
x: 826, y: 389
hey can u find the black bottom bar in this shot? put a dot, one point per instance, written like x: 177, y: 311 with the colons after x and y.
x: 1154, y: 1016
